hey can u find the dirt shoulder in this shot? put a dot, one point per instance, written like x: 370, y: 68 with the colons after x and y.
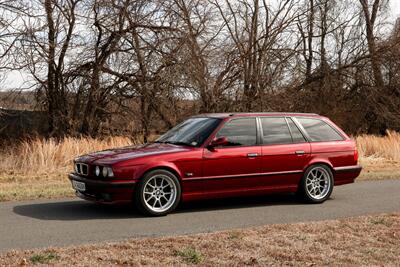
x: 366, y: 240
x: 31, y: 186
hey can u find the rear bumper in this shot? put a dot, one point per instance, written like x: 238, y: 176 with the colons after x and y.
x: 346, y: 174
x: 110, y: 192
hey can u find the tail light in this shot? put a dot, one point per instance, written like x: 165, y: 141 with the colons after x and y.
x: 355, y: 155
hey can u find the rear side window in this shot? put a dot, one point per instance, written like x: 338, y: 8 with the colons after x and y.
x: 240, y: 132
x: 275, y: 131
x: 318, y: 130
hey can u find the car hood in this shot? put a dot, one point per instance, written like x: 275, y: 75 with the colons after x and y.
x: 111, y: 156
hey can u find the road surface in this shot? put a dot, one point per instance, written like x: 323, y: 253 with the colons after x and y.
x: 38, y: 224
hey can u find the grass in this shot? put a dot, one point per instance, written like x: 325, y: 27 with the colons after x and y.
x: 360, y: 241
x: 43, y: 258
x: 385, y: 147
x: 190, y: 255
x: 38, y: 168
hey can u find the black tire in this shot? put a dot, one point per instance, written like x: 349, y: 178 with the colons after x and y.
x: 310, y: 195
x: 139, y: 199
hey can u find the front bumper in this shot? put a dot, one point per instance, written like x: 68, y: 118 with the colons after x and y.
x: 111, y: 191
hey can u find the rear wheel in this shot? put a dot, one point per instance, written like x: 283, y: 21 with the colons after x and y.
x: 317, y: 184
x: 158, y: 193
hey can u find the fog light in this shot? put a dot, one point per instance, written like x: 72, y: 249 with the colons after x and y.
x: 106, y: 197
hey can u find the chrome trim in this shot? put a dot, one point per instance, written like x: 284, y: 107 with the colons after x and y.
x: 244, y: 175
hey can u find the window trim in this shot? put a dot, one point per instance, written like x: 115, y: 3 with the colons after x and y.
x: 290, y: 132
x: 306, y: 138
x: 239, y: 118
x: 300, y: 126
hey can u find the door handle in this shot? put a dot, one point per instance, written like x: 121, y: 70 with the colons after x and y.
x: 252, y: 155
x: 300, y: 152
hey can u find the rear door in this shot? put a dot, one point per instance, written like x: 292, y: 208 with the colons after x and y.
x: 234, y: 166
x: 285, y: 152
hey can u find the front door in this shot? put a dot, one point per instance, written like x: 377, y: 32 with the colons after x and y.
x: 236, y: 165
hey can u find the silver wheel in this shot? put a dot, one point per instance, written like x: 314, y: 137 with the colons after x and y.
x: 159, y: 193
x: 318, y: 183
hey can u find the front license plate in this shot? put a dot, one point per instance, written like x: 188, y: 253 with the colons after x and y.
x: 78, y: 186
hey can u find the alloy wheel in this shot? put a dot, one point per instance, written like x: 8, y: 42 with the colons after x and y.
x: 159, y: 193
x: 318, y: 183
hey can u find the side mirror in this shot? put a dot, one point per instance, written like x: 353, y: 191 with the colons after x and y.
x: 221, y: 141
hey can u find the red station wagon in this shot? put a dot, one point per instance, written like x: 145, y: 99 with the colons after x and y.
x: 222, y: 155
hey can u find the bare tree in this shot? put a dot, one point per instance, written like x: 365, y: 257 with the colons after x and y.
x: 370, y: 16
x: 258, y: 32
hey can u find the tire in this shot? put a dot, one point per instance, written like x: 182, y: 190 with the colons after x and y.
x: 158, y: 193
x: 317, y: 184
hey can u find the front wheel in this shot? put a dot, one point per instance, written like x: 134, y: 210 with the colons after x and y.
x: 317, y: 184
x: 158, y: 193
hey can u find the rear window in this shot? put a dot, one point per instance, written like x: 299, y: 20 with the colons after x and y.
x: 318, y: 130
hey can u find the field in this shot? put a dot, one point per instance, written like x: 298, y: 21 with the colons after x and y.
x: 38, y: 168
x: 334, y: 243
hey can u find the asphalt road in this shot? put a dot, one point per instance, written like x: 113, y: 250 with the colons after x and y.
x: 25, y: 225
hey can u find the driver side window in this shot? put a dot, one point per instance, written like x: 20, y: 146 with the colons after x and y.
x: 240, y: 132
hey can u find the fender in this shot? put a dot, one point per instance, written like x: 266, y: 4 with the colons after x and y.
x: 139, y: 173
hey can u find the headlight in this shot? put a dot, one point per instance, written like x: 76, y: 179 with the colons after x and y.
x: 104, y: 172
x: 110, y: 172
x: 97, y: 171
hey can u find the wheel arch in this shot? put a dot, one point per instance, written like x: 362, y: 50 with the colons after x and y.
x: 320, y: 162
x: 166, y: 167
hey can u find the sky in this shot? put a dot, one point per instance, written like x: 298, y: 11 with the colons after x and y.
x: 395, y: 8
x: 15, y: 79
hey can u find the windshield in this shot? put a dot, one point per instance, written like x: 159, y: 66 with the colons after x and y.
x: 192, y: 132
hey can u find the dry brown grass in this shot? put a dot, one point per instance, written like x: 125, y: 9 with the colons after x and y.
x: 385, y: 147
x: 38, y: 168
x: 39, y: 156
x: 361, y: 241
x: 379, y: 156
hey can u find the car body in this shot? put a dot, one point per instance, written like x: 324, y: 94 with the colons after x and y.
x: 238, y: 154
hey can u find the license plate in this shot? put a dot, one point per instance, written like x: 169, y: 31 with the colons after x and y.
x: 78, y: 186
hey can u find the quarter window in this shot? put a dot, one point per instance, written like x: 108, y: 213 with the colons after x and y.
x: 240, y: 132
x: 297, y: 136
x: 318, y: 130
x: 275, y: 131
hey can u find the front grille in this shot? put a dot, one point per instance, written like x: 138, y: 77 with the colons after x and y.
x: 82, y: 169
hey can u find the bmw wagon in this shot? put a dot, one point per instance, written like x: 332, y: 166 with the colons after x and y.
x: 222, y: 155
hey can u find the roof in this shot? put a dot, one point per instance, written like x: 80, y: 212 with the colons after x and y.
x: 249, y: 114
